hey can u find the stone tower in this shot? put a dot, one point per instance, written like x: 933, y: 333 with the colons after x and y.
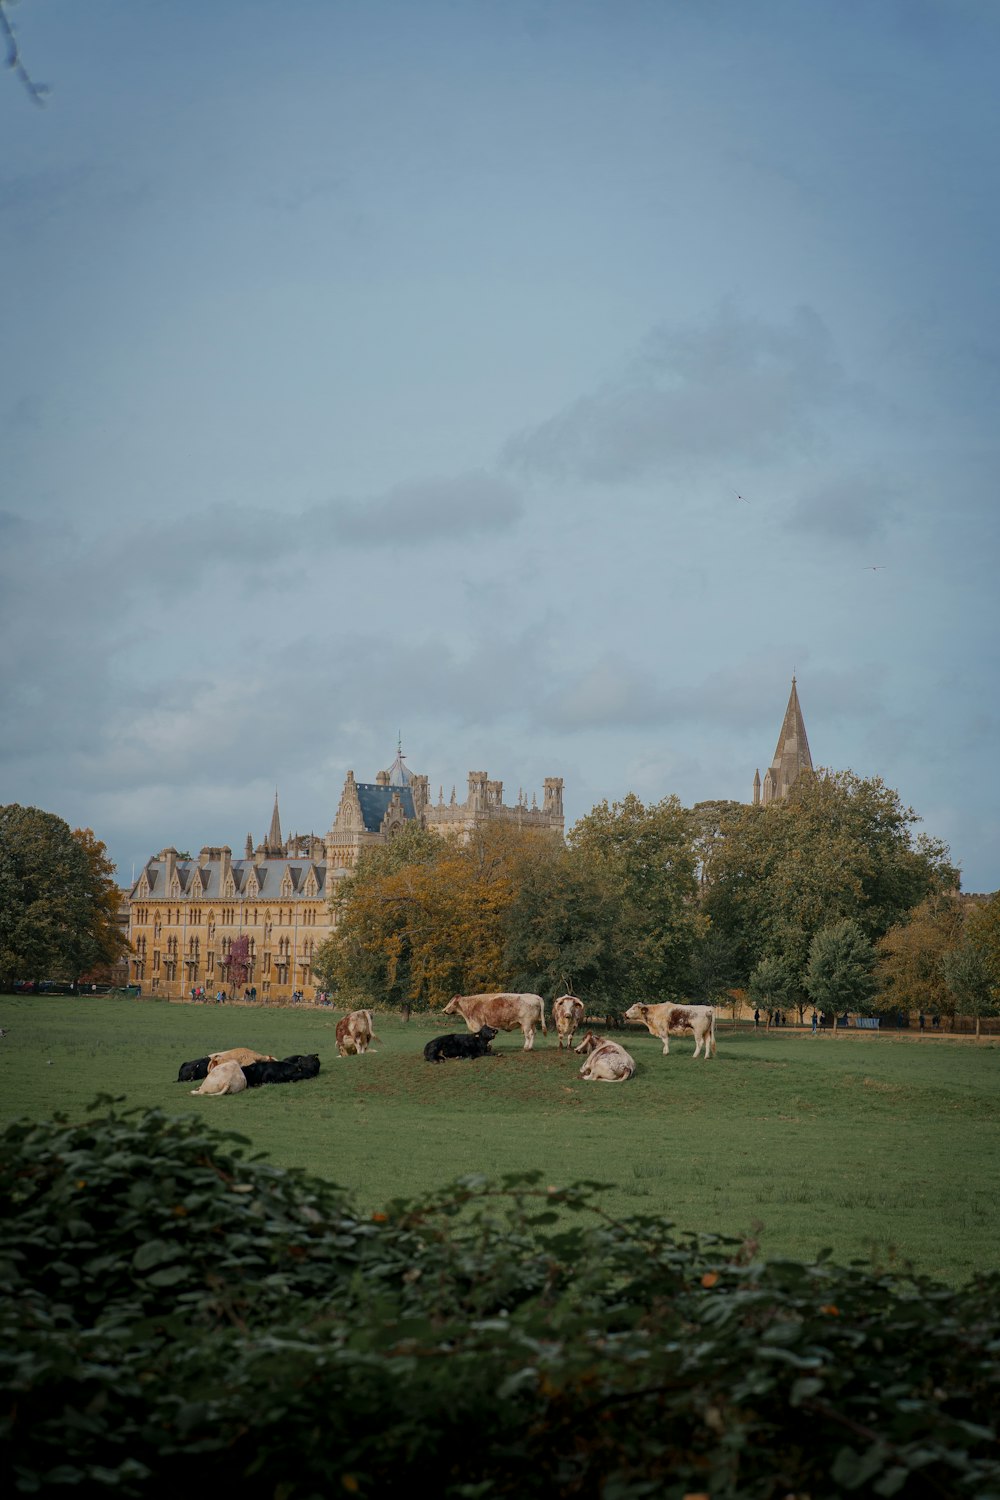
x: 791, y: 756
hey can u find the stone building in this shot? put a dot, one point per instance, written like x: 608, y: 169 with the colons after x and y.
x: 791, y: 756
x: 184, y: 913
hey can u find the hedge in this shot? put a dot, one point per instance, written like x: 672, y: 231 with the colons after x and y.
x: 177, y: 1313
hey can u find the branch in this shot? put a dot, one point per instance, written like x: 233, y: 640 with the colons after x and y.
x: 37, y: 91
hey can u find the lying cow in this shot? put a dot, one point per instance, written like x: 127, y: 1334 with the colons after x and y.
x: 237, y: 1054
x: 662, y: 1020
x: 567, y: 1015
x: 190, y: 1072
x: 227, y: 1078
x: 605, y: 1062
x: 456, y: 1044
x: 354, y: 1033
x: 294, y: 1069
x: 501, y: 1011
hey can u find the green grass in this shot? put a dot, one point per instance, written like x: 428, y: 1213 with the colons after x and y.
x: 878, y: 1147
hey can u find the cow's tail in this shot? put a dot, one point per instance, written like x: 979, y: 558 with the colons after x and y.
x: 541, y: 1004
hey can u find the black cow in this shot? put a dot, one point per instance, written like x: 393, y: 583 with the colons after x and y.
x: 294, y: 1069
x: 190, y: 1071
x: 460, y: 1044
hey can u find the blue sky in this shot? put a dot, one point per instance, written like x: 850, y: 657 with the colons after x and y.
x: 376, y: 367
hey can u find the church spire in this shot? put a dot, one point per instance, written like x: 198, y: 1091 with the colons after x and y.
x: 791, y: 754
x: 275, y: 843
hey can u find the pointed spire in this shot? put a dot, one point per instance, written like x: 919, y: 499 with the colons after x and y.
x: 791, y: 754
x: 274, y: 840
x: 248, y: 851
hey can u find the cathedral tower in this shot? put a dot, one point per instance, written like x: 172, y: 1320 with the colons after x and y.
x: 791, y: 756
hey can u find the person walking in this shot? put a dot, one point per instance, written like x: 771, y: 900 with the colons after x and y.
x: 756, y: 1019
x: 815, y: 1022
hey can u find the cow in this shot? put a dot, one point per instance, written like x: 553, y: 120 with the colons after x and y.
x: 502, y: 1011
x: 237, y: 1054
x: 227, y: 1078
x: 567, y: 1015
x: 354, y: 1033
x: 661, y: 1020
x: 456, y: 1044
x: 294, y: 1069
x: 604, y: 1061
x: 190, y: 1072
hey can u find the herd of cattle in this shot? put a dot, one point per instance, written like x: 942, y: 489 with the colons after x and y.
x: 605, y: 1061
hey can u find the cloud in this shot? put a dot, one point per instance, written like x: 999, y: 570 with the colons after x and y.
x: 847, y: 510
x: 735, y: 388
x: 432, y: 512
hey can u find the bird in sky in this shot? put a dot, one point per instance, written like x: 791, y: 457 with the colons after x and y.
x: 740, y: 497
x: 875, y: 568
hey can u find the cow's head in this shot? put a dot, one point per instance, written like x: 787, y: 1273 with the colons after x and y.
x: 451, y: 1009
x: 636, y: 1012
x: 589, y: 1042
x: 486, y: 1034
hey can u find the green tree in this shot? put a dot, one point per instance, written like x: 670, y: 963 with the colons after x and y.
x: 645, y: 858
x: 840, y: 977
x: 838, y: 847
x: 773, y: 985
x: 966, y: 973
x: 58, y: 899
x: 561, y: 930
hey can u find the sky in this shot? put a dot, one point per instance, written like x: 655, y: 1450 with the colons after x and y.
x: 542, y: 382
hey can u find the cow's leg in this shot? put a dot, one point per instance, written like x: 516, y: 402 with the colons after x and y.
x: 529, y: 1037
x: 666, y: 1046
x: 697, y: 1044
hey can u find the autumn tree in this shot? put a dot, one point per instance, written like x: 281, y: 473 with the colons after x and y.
x: 58, y: 899
x: 971, y: 970
x: 237, y: 963
x: 838, y: 847
x: 840, y: 973
x: 909, y: 955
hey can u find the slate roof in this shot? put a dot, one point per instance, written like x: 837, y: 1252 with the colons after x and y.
x: 375, y: 799
x: 270, y: 873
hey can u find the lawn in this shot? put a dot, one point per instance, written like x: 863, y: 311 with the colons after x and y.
x: 881, y: 1148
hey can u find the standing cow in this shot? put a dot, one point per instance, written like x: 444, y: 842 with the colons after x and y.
x: 354, y: 1033
x: 662, y: 1020
x: 501, y: 1011
x: 567, y: 1015
x: 605, y: 1062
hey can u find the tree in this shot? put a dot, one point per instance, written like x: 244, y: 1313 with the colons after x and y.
x: 840, y: 977
x: 773, y: 985
x: 646, y: 859
x: 237, y: 963
x: 910, y: 955
x: 966, y: 972
x: 561, y: 931
x: 58, y: 898
x: 837, y: 847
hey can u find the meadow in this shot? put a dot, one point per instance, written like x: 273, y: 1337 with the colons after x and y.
x: 884, y: 1149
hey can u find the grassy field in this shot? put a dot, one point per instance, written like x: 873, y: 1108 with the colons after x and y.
x: 879, y: 1147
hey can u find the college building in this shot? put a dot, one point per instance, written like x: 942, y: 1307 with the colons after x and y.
x: 186, y: 913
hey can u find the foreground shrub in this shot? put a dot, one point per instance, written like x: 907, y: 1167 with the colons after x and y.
x: 176, y: 1314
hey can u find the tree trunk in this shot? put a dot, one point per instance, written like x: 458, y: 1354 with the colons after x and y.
x: 977, y: 1026
x: 405, y: 1012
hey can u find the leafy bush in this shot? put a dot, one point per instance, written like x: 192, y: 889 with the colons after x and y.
x: 179, y: 1314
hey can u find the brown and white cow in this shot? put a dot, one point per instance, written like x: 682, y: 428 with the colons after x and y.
x: 237, y: 1054
x: 354, y: 1033
x: 567, y: 1015
x: 226, y: 1078
x: 504, y: 1012
x: 606, y: 1062
x: 664, y: 1020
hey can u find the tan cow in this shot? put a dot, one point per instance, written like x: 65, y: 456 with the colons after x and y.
x: 606, y: 1062
x: 567, y: 1015
x: 662, y: 1020
x: 504, y: 1012
x: 354, y: 1033
x: 237, y: 1054
x: 227, y: 1078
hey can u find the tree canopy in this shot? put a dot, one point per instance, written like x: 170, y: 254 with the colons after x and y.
x: 58, y: 898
